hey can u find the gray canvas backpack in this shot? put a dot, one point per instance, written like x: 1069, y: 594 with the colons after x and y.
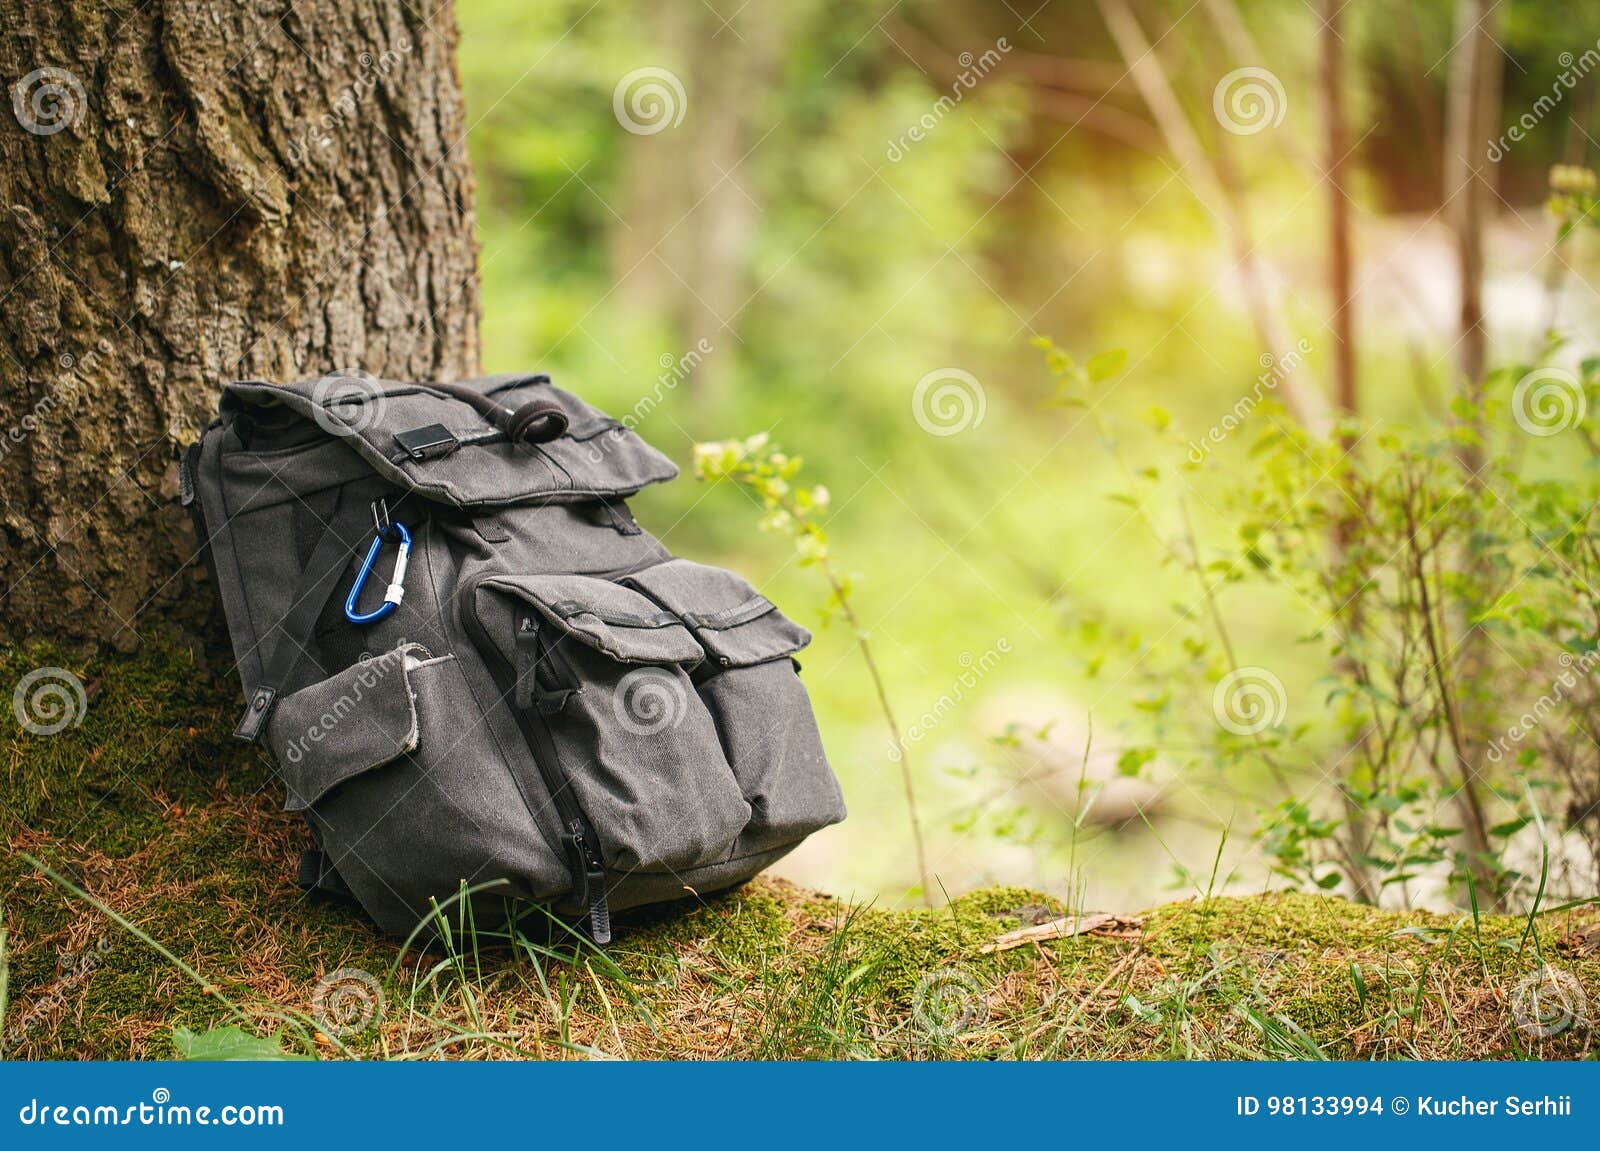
x: 472, y: 665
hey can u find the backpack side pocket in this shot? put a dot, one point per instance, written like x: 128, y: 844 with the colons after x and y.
x: 750, y: 684
x: 605, y: 671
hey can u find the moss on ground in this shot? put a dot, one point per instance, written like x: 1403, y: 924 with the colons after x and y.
x: 152, y: 809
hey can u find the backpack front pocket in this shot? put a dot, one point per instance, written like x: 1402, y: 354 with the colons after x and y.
x: 750, y: 684
x: 400, y: 778
x: 602, y: 670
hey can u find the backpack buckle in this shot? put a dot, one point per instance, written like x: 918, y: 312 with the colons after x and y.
x: 396, y: 591
x: 427, y: 443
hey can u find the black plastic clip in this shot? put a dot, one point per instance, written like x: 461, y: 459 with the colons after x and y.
x: 427, y: 443
x: 256, y: 715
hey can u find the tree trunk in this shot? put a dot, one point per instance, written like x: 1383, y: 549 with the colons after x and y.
x: 1474, y: 104
x: 1346, y: 402
x: 191, y: 193
x: 1336, y: 148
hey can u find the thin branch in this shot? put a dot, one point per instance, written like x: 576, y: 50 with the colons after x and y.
x: 1207, y: 184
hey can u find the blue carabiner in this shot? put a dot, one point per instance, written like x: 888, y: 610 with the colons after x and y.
x: 396, y: 592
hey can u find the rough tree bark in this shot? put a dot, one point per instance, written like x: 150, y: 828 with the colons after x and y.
x: 192, y: 192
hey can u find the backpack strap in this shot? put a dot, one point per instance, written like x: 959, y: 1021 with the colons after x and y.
x: 189, y: 497
x: 320, y: 576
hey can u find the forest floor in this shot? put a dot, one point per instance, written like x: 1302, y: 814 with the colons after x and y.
x: 148, y: 898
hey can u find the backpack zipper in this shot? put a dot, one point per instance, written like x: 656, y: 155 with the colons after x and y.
x: 578, y: 836
x: 587, y: 856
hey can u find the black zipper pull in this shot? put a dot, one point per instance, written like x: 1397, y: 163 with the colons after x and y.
x: 600, y: 920
x: 595, y: 880
x: 586, y: 862
x: 527, y: 646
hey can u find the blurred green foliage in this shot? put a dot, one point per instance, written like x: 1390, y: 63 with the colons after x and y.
x: 874, y: 311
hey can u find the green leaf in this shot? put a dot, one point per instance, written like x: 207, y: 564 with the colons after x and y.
x: 1106, y: 364
x: 1141, y: 1011
x: 1465, y: 410
x: 1133, y: 759
x: 229, y: 1044
x: 1510, y: 827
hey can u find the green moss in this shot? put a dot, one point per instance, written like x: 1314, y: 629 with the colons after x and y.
x: 151, y: 807
x: 153, y: 736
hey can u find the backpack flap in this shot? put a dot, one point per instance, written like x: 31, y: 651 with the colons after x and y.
x: 442, y: 449
x: 613, y: 620
x: 344, y: 726
x: 737, y: 625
